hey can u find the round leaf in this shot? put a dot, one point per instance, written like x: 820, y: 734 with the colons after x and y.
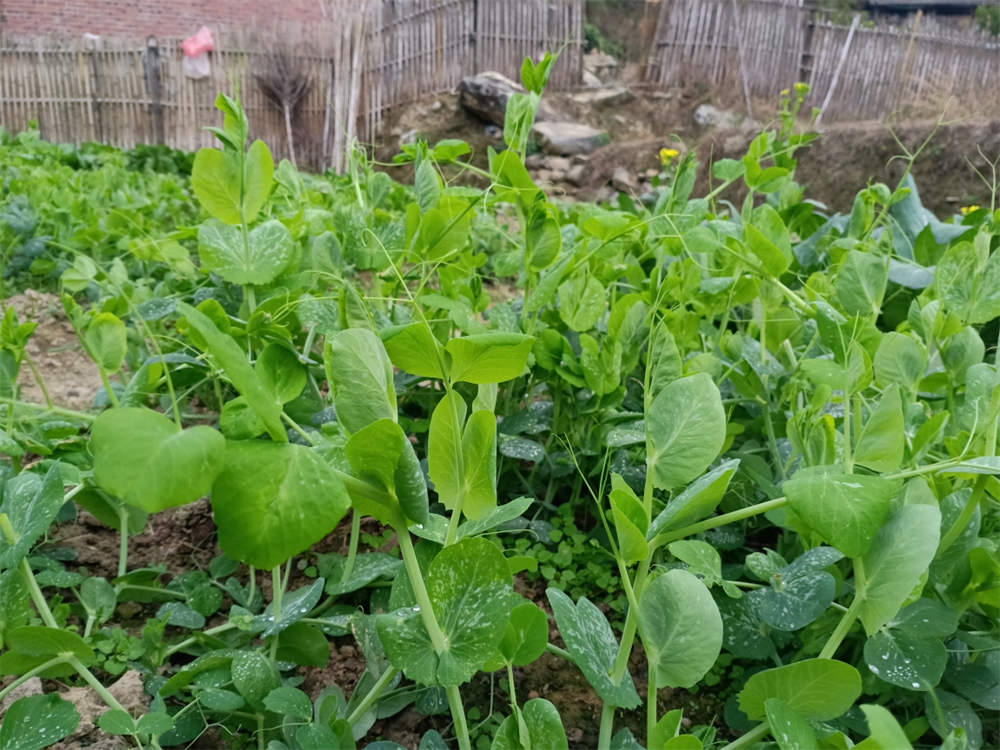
x: 37, y: 721
x: 816, y: 689
x: 273, y: 500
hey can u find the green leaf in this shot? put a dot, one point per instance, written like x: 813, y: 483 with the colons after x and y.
x: 681, y: 628
x: 630, y: 521
x: 582, y: 301
x: 861, y: 283
x: 502, y: 514
x: 847, y: 510
x: 524, y: 640
x: 445, y: 462
x: 545, y: 729
x: 949, y: 713
x: 273, y: 500
x: 304, y: 644
x: 107, y: 341
x: 685, y: 430
x: 768, y: 238
x: 590, y: 640
x: 427, y: 185
x: 214, y: 699
x: 116, y: 721
x: 289, y: 701
x: 788, y: 728
x: 897, y: 559
x: 542, y: 240
x: 30, y: 503
x: 254, y: 676
x: 479, y: 453
x: 45, y: 643
x: 816, y: 689
x: 147, y: 461
x: 215, y: 179
x: 701, y: 558
x: 155, y: 723
x: 800, y: 592
x: 884, y: 731
x: 904, y: 660
x: 383, y: 456
x: 900, y: 360
x: 294, y: 606
x: 281, y: 372
x: 488, y: 357
x: 259, y: 258
x: 469, y: 586
x: 882, y: 441
x: 698, y: 500
x: 360, y: 376
x: 233, y: 360
x: 258, y: 170
x: 37, y: 721
x: 414, y: 349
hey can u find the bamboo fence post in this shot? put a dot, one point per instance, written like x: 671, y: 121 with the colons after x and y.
x: 840, y: 67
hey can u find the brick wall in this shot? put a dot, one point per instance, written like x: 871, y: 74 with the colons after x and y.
x: 140, y: 18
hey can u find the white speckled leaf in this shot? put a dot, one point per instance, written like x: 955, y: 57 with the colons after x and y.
x: 268, y: 250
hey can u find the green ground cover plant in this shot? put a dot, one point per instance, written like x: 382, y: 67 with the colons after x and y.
x: 747, y: 446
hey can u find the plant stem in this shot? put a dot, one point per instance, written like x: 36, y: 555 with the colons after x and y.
x: 188, y: 641
x: 253, y: 586
x: 725, y: 518
x: 53, y: 662
x: 510, y: 686
x: 372, y: 695
x: 607, y: 724
x: 848, y: 618
x: 122, y: 539
x: 750, y: 737
x: 36, y: 595
x: 438, y: 640
x: 965, y: 516
x: 848, y: 458
x: 107, y: 387
x: 352, y: 549
x: 277, y: 589
x: 561, y: 652
x: 38, y: 379
x: 651, y: 707
x: 88, y: 676
x: 46, y: 409
x: 458, y: 716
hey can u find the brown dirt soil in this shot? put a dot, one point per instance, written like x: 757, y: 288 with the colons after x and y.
x: 833, y: 169
x: 68, y: 373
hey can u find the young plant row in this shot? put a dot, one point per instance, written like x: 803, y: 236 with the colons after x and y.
x: 780, y: 423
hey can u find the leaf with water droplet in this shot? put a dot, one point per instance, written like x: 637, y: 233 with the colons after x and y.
x: 37, y: 721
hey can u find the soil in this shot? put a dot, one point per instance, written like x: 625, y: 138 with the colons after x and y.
x: 70, y: 377
x: 833, y: 169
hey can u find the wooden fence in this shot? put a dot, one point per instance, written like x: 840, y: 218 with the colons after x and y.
x: 767, y: 45
x: 358, y: 65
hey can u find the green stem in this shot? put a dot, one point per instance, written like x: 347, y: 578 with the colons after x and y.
x: 750, y: 737
x: 253, y: 585
x: 510, y: 686
x: 651, y: 707
x: 53, y: 662
x: 46, y: 409
x: 458, y: 716
x: 438, y: 640
x: 716, y: 521
x: 848, y: 618
x: 38, y: 379
x: 297, y: 429
x: 848, y: 458
x: 94, y: 683
x: 36, y: 595
x: 277, y: 589
x: 107, y: 387
x: 372, y: 695
x: 260, y: 732
x: 459, y: 464
x: 965, y: 516
x: 122, y: 539
x: 352, y: 550
x: 561, y: 652
x: 194, y: 639
x: 607, y: 724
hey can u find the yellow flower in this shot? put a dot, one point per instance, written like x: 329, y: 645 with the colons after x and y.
x: 667, y: 155
x: 801, y: 88
x: 784, y: 92
x: 966, y: 210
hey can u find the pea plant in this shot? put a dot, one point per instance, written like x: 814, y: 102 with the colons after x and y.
x: 775, y: 424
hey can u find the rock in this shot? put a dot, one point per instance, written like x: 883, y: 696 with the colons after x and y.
x: 623, y: 180
x: 31, y: 686
x: 492, y: 131
x: 568, y: 138
x: 535, y: 161
x: 410, y: 136
x: 577, y: 174
x: 708, y: 116
x: 603, y: 97
x: 486, y: 95
x: 556, y: 163
x: 601, y: 64
x: 544, y: 175
x: 735, y: 144
x: 591, y: 81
